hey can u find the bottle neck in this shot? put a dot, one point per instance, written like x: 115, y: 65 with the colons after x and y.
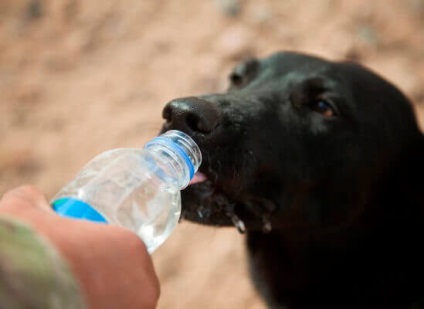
x: 176, y: 157
x: 169, y: 168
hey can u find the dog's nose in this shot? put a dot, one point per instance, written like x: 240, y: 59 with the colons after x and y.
x: 192, y: 114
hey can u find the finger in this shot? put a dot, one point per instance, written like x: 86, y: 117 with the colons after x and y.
x: 25, y: 197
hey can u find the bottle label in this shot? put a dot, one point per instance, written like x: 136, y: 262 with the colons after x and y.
x: 74, y: 208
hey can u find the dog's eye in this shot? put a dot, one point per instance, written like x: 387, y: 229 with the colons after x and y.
x: 324, y: 108
x: 236, y: 79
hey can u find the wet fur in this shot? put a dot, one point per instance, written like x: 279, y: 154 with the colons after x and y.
x: 331, y: 203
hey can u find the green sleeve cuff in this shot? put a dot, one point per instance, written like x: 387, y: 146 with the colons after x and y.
x: 32, y: 273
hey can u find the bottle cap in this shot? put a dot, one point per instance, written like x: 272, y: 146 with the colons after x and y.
x: 183, y: 145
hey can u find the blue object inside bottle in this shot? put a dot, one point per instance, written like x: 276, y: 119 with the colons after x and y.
x: 77, y: 209
x: 74, y: 208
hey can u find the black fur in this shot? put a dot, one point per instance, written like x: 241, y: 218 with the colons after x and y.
x: 322, y: 164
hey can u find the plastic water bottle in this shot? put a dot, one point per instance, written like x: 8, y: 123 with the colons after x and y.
x: 138, y: 189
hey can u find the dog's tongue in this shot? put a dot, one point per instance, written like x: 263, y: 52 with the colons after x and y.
x: 198, y: 177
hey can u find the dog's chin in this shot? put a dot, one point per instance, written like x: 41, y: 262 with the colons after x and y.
x: 204, y: 202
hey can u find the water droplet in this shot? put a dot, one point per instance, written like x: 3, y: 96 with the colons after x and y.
x: 267, y: 226
x: 203, y: 212
x: 238, y: 223
x: 182, y: 217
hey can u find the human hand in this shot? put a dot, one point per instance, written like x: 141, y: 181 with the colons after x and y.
x: 111, y: 264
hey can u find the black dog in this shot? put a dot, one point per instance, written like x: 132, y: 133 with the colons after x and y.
x: 321, y: 164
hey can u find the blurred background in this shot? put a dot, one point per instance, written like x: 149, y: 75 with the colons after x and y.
x: 80, y: 77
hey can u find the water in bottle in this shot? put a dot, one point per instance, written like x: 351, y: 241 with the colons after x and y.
x: 138, y: 189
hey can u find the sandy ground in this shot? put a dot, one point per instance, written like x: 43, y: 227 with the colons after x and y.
x: 80, y: 77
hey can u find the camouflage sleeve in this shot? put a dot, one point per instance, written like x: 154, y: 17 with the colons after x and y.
x: 32, y: 273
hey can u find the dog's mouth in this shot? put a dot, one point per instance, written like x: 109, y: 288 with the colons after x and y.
x: 204, y: 203
x: 207, y: 201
